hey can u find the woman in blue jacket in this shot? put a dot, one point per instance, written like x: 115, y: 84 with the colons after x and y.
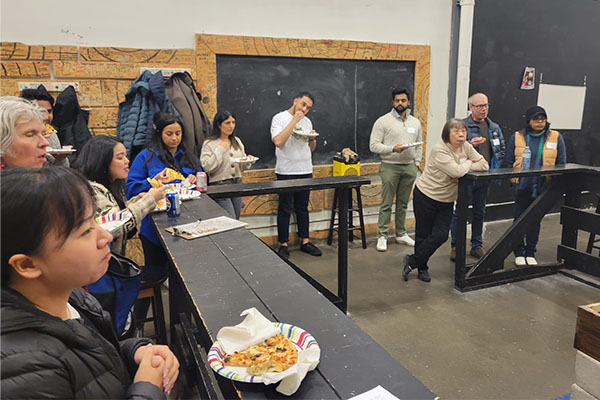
x: 165, y: 150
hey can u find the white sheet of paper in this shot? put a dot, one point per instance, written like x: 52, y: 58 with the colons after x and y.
x: 564, y: 105
x: 377, y: 393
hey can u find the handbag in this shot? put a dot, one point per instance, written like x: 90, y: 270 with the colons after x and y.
x: 117, y: 291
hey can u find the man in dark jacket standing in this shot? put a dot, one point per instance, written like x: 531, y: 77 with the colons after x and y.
x: 487, y: 138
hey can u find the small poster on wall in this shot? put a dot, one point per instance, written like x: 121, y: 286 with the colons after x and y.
x: 527, y: 83
x: 564, y: 105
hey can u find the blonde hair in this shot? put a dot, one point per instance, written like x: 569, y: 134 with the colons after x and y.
x: 15, y: 111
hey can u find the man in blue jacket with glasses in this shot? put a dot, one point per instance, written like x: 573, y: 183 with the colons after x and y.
x: 487, y: 138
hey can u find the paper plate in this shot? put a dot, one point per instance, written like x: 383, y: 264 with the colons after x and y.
x: 187, y: 194
x: 171, y: 187
x: 306, y: 134
x: 246, y: 159
x: 111, y: 222
x: 298, y: 336
x: 64, y: 150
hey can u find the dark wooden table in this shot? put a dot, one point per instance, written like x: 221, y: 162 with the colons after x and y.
x: 343, y: 183
x: 568, y: 181
x: 213, y: 279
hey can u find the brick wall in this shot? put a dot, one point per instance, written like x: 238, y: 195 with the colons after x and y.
x: 105, y: 74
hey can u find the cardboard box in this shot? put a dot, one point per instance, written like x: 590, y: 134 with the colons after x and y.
x: 587, y: 333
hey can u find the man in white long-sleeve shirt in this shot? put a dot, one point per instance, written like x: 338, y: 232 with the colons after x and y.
x: 391, y: 134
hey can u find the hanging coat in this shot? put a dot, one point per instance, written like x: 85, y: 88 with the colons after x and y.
x: 180, y: 88
x: 145, y: 97
x: 71, y: 121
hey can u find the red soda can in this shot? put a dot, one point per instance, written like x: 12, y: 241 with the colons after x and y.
x: 201, y: 182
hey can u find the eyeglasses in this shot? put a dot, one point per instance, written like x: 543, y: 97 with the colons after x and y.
x: 480, y: 106
x: 539, y: 119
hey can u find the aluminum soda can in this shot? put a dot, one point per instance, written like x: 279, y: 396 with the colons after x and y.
x: 173, y: 205
x: 201, y: 182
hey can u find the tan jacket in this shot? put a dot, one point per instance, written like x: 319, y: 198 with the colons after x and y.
x: 106, y: 203
x: 217, y: 161
x: 444, y: 166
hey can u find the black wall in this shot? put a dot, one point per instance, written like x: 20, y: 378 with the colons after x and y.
x: 561, y: 39
x: 349, y: 96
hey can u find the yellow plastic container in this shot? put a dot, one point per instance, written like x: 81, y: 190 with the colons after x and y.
x: 343, y: 168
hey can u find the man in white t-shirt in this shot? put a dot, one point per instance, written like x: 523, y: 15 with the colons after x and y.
x: 294, y: 161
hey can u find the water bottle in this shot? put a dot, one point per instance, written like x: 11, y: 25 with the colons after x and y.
x: 526, y: 163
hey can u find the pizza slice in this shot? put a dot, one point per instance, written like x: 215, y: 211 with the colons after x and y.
x: 275, y: 354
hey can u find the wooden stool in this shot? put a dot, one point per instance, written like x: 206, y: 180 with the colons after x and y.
x: 150, y: 288
x: 592, y: 240
x: 351, y: 210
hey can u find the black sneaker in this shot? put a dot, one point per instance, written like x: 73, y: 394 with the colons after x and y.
x: 311, y: 249
x: 284, y: 252
x: 424, y: 275
x: 407, y: 268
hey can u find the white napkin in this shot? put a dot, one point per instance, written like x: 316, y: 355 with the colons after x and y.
x: 292, y: 377
x: 254, y: 329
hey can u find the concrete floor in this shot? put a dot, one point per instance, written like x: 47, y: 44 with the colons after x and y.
x: 508, y: 342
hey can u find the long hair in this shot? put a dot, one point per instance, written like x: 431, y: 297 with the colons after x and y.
x: 36, y: 201
x: 156, y: 145
x: 220, y: 117
x: 94, y: 163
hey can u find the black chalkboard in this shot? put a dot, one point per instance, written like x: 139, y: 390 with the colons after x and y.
x: 553, y: 36
x: 349, y: 96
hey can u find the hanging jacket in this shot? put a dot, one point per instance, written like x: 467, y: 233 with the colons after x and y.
x: 180, y: 88
x: 71, y: 121
x: 145, y: 97
x: 46, y: 357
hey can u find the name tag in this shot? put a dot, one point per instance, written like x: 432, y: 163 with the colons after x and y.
x: 551, y: 145
x: 496, y: 142
x: 411, y: 130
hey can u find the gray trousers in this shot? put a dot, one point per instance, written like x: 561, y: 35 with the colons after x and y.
x: 233, y: 205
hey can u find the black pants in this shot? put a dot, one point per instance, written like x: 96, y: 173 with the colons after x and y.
x: 527, y: 247
x: 284, y: 210
x: 433, y: 220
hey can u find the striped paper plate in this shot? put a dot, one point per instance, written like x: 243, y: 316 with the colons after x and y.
x: 298, y: 336
x: 111, y: 222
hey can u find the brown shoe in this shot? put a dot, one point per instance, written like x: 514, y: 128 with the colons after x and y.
x: 453, y: 254
x: 478, y: 252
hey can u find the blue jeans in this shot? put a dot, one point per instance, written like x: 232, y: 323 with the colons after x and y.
x: 523, y: 199
x: 478, y: 193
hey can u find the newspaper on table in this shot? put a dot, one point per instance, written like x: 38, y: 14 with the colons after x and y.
x: 194, y: 230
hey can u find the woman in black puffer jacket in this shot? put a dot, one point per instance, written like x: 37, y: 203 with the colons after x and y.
x: 57, y: 342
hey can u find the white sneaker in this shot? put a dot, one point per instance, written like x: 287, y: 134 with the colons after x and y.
x: 520, y: 261
x: 405, y: 239
x: 382, y: 243
x: 531, y: 261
